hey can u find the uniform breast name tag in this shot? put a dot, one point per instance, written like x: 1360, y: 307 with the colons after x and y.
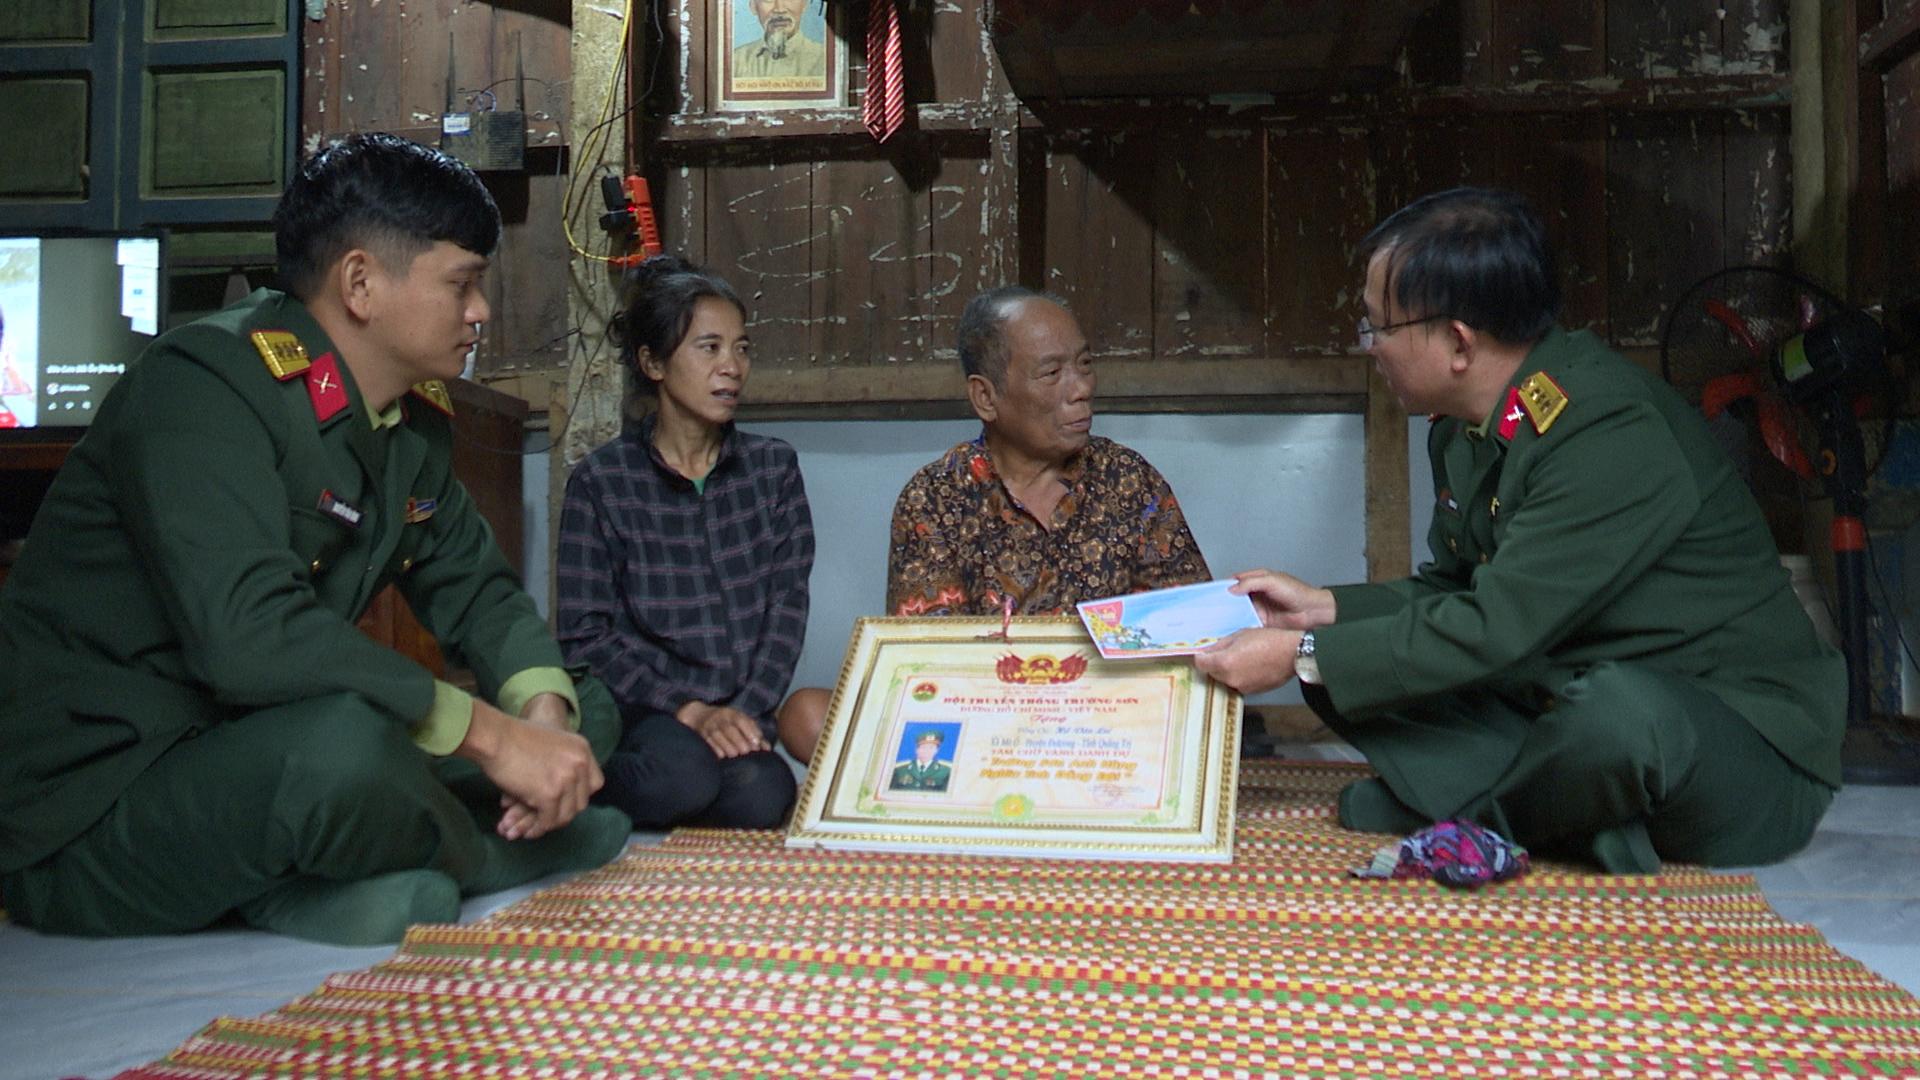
x: 339, y: 511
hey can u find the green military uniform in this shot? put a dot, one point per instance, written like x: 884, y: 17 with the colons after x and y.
x: 910, y: 776
x: 188, y: 712
x: 1604, y: 649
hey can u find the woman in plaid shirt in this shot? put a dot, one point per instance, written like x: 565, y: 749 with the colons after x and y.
x: 685, y: 546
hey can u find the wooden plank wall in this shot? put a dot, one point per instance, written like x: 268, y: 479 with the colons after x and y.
x: 1192, y: 236
x: 1651, y: 131
x: 372, y: 67
x: 1886, y: 222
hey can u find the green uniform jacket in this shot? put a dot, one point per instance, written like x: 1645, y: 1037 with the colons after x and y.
x: 1620, y: 533
x: 908, y: 776
x: 182, y: 572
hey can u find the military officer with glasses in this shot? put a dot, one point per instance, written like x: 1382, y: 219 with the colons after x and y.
x: 1603, y: 659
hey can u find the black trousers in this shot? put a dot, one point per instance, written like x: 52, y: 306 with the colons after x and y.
x: 663, y: 774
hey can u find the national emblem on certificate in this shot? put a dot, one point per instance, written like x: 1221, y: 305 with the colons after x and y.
x: 1016, y: 738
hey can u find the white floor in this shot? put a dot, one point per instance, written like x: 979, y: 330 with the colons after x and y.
x: 75, y: 1007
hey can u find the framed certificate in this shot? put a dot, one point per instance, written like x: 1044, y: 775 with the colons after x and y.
x: 948, y: 735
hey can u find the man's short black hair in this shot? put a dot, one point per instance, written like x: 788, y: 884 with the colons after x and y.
x: 983, y: 351
x: 1478, y: 255
x: 383, y: 193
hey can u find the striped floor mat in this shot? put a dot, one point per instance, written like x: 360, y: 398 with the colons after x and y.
x: 722, y: 954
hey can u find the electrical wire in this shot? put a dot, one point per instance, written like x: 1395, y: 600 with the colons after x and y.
x: 587, y: 152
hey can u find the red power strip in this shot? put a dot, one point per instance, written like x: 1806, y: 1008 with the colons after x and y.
x: 630, y: 210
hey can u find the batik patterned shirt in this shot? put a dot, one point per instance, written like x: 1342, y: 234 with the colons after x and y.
x: 962, y: 543
x: 672, y: 594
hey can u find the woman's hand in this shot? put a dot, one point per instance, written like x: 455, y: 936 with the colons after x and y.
x: 729, y: 731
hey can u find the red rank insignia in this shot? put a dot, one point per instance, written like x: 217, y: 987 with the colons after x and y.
x: 327, y: 389
x: 1511, y: 414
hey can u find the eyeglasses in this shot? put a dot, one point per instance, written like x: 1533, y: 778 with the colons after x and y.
x: 1370, y: 333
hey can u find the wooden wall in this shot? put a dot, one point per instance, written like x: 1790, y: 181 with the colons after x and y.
x: 1208, y: 247
x: 1884, y: 226
x: 374, y: 67
x: 1214, y: 236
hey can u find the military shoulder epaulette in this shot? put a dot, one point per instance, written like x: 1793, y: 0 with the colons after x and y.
x: 434, y: 393
x: 282, y: 352
x: 1543, y: 399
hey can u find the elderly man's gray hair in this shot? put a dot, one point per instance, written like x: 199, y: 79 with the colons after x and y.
x: 983, y: 351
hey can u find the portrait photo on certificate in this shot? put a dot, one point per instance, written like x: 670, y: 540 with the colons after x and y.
x: 1017, y: 738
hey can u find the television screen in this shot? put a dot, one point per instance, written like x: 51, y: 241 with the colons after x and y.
x: 75, y: 310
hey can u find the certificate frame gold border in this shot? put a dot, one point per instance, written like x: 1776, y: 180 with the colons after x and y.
x: 858, y: 716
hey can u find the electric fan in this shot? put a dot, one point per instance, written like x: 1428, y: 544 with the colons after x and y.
x: 1797, y: 385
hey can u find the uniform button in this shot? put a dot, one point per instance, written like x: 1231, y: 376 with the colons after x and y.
x: 1494, y: 506
x: 1483, y: 556
x: 1453, y: 545
x: 406, y: 564
x: 314, y: 566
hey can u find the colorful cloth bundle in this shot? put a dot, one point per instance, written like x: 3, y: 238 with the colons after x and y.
x: 1456, y: 852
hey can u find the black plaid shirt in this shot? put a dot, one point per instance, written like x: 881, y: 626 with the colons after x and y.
x: 673, y: 595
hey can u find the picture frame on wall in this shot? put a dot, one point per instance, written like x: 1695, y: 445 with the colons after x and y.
x: 776, y: 54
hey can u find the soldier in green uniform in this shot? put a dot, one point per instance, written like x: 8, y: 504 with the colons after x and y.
x: 193, y: 728
x: 925, y: 772
x: 1603, y: 658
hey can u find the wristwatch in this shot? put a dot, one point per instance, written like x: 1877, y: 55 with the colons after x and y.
x: 1305, y: 664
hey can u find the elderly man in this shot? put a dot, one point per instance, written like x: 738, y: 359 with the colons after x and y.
x: 1037, y: 512
x: 1604, y: 658
x: 781, y: 51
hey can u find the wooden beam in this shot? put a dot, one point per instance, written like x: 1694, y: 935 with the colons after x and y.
x: 1894, y: 40
x: 1807, y: 133
x: 1389, y: 514
x: 542, y: 134
x: 1685, y: 93
x: 1225, y: 382
x: 586, y: 410
x: 1680, y: 93
x: 1688, y: 93
x: 945, y: 118
x: 1840, y: 121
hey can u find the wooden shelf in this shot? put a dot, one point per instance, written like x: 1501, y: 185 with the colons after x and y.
x: 1683, y: 93
x: 1331, y: 383
x: 697, y: 128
